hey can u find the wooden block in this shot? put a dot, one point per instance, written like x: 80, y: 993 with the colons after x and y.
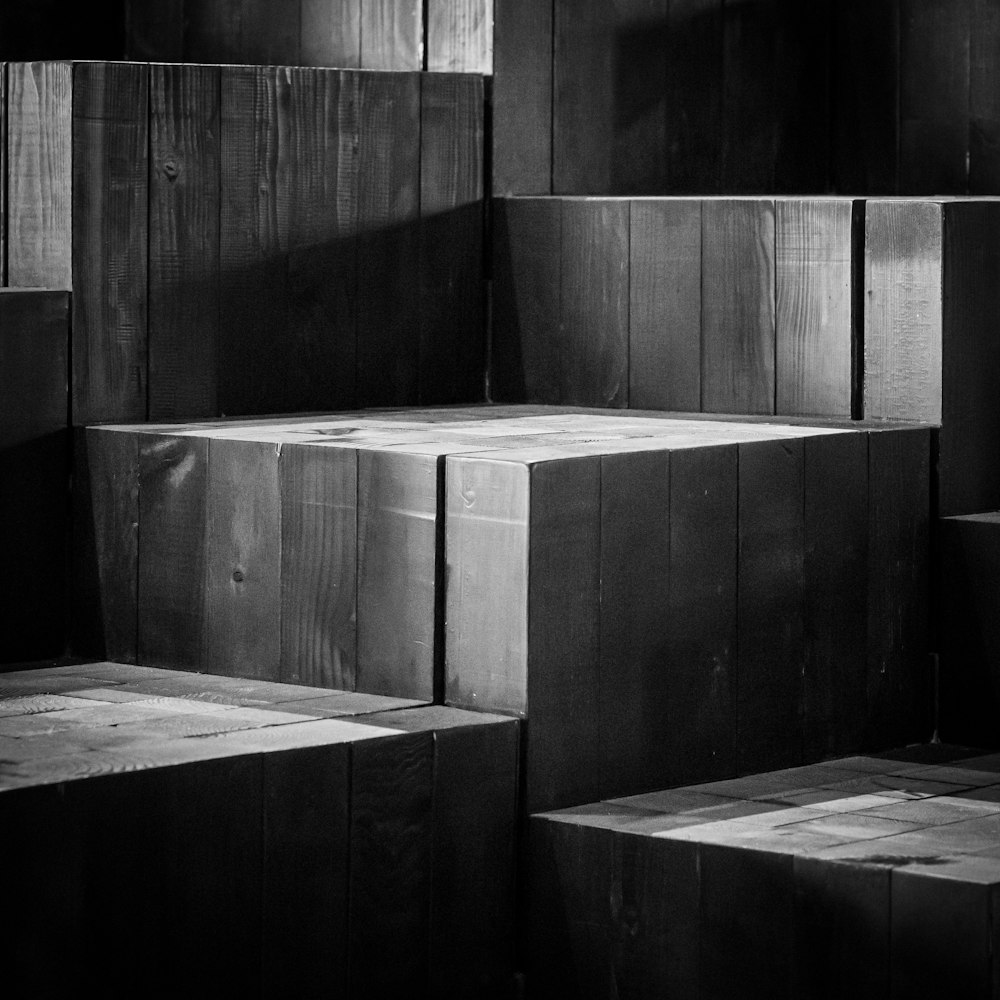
x: 771, y: 597
x: 184, y: 180
x: 738, y: 306
x: 39, y: 172
x: 330, y: 33
x: 243, y: 560
x: 460, y: 36
x: 522, y: 98
x: 836, y: 593
x: 984, y: 107
x: 452, y: 303
x: 110, y: 237
x: 154, y: 33
x: 391, y: 34
x: 813, y: 335
x: 173, y: 541
x: 34, y: 471
x: 665, y: 305
x: 319, y: 531
x: 388, y: 245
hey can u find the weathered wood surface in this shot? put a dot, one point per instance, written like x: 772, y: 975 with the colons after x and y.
x: 460, y: 36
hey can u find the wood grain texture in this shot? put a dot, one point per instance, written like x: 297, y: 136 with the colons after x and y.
x: 460, y: 36
x: 319, y: 530
x: 700, y: 720
x: 397, y: 573
x: 771, y: 606
x: 665, y: 305
x: 184, y: 178
x: 898, y: 512
x: 737, y: 307
x: 173, y: 543
x: 110, y: 237
x: 391, y: 34
x: 813, y: 334
x: 984, y: 102
x: 522, y: 98
x: 243, y: 563
x: 154, y: 32
x: 635, y: 669
x: 836, y: 594
x: 903, y: 310
x: 330, y: 33
x: 527, y: 261
x: 452, y: 303
x: 39, y: 175
x: 388, y: 243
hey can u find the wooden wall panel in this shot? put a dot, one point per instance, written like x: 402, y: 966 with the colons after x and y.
x: 984, y: 98
x: 184, y: 180
x: 110, y: 238
x: 460, y: 36
x: 330, y: 33
x: 391, y: 34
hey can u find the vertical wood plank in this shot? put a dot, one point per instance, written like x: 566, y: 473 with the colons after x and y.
x: 3, y: 174
x: 388, y: 242
x: 527, y: 261
x: 39, y: 175
x: 154, y: 32
x: 700, y: 719
x: 665, y: 305
x: 634, y: 587
x: 737, y: 306
x: 903, y: 310
x: 243, y: 564
x: 836, y: 593
x: 391, y: 34
x: 269, y: 32
x: 397, y: 567
x: 319, y: 530
x: 452, y: 305
x: 813, y: 261
x: 110, y: 241
x: 173, y: 483
x: 183, y: 241
x: 593, y: 362
x: 390, y: 873
x: 460, y: 36
x: 253, y: 239
x: 771, y: 598
x: 330, y: 33
x: 984, y: 98
x: 522, y: 98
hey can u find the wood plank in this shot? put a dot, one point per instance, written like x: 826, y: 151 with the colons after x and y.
x: 110, y: 237
x: 460, y: 36
x: 527, y: 253
x: 452, y: 300
x: 330, y: 33
x: 392, y: 34
x: 934, y: 40
x: 593, y: 362
x: 388, y: 243
x: 634, y: 584
x: 771, y: 598
x: 105, y: 544
x: 813, y: 335
x: 898, y: 511
x: 253, y: 239
x: 39, y: 175
x: 665, y: 305
x: 390, y: 875
x: 3, y: 173
x: 173, y: 543
x: 836, y: 594
x: 737, y: 307
x: 319, y: 532
x: 34, y: 472
x: 903, y: 309
x: 522, y: 98
x: 984, y: 98
x: 270, y: 32
x: 184, y: 177
x: 397, y: 574
x: 243, y: 563
x: 700, y: 720
x: 154, y: 32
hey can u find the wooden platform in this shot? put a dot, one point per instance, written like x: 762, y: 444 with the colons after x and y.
x: 859, y: 877
x: 252, y: 838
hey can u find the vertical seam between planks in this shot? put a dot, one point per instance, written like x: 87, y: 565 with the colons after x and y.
x: 774, y: 305
x: 425, y: 35
x: 628, y: 304
x: 897, y: 29
x: 736, y: 637
x: 358, y: 539
x: 552, y: 96
x: 4, y: 177
x: 349, y: 853
x: 149, y: 219
x: 701, y: 304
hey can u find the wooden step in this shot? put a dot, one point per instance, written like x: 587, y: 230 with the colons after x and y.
x: 252, y: 838
x: 871, y: 877
x: 666, y: 599
x: 248, y: 239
